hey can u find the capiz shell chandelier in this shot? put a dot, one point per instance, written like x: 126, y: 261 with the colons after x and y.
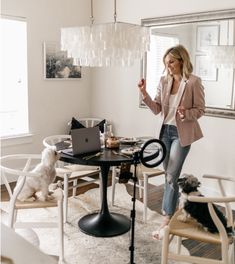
x: 108, y: 44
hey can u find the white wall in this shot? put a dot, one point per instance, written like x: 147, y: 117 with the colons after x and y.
x: 109, y: 92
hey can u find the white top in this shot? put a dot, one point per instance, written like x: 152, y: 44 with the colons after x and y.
x: 174, y: 102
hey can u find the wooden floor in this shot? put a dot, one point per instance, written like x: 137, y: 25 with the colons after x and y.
x: 154, y: 203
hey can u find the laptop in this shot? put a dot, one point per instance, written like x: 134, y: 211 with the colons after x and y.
x: 84, y: 140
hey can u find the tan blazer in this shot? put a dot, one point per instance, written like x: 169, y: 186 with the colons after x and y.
x: 192, y: 99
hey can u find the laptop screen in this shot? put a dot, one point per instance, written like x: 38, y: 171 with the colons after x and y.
x: 85, y: 140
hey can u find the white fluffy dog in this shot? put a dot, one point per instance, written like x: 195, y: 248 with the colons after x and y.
x: 47, y: 174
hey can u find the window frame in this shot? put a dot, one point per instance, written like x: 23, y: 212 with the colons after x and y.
x: 144, y: 69
x: 23, y: 136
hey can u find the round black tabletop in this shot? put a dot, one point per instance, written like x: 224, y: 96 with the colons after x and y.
x: 107, y: 157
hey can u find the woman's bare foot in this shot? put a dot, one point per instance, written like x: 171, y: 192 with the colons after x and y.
x: 158, y: 234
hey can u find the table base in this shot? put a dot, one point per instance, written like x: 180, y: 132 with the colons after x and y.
x: 104, y: 225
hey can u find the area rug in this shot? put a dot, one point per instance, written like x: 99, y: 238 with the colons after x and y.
x: 84, y: 249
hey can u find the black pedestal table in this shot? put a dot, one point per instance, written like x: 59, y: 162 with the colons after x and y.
x: 103, y: 223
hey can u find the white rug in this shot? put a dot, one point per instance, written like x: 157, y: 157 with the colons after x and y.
x: 84, y: 249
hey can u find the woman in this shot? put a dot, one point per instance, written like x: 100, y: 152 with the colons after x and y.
x: 180, y: 102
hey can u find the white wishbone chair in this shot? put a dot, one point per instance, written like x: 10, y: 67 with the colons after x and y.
x: 26, y: 163
x: 191, y: 230
x: 143, y: 175
x: 71, y: 173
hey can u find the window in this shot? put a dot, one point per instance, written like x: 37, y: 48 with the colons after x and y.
x: 13, y: 83
x: 159, y: 44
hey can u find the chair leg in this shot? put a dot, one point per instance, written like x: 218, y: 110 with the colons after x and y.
x: 66, y: 191
x: 12, y: 215
x: 141, y: 184
x: 61, y: 231
x: 179, y: 243
x: 225, y: 252
x: 75, y: 182
x: 231, y: 253
x: 114, y: 174
x: 145, y: 199
x: 165, y: 245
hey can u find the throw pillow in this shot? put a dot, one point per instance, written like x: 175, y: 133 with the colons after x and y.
x: 101, y: 125
x: 75, y: 124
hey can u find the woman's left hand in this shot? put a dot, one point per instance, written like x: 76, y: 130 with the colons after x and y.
x: 181, y: 112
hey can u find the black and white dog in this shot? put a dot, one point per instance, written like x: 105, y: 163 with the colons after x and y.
x: 199, y: 211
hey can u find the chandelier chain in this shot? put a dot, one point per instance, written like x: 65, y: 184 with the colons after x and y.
x: 92, y: 17
x: 115, y: 11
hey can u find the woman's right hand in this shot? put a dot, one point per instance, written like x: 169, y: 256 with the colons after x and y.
x: 142, y: 87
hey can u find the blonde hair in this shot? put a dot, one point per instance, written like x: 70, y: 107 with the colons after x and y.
x: 180, y: 53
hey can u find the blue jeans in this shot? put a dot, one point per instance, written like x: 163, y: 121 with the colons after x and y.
x: 172, y: 164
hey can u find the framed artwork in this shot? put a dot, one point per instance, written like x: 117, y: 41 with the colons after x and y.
x: 57, y: 65
x: 204, y: 69
x: 207, y: 36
